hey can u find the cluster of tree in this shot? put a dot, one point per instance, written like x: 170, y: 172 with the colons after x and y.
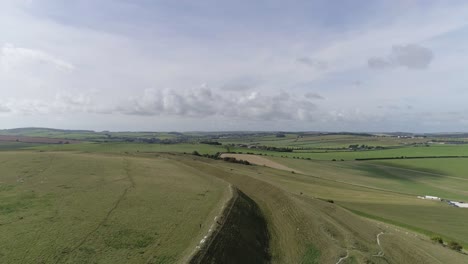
x: 267, y: 148
x: 280, y: 135
x: 250, y: 153
x: 211, y: 156
x: 234, y: 160
x: 152, y: 140
x: 299, y: 158
x: 364, y: 147
x: 210, y: 142
x: 452, y: 244
x: 217, y: 156
x: 414, y: 157
x: 454, y: 142
x: 277, y: 149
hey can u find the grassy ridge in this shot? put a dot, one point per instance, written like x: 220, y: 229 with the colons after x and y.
x: 242, y: 238
x: 304, y: 228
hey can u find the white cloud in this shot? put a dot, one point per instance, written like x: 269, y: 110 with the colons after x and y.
x: 203, y: 102
x: 12, y: 57
x: 55, y: 64
x: 60, y: 104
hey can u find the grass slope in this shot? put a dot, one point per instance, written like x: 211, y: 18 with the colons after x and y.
x: 305, y: 229
x: 71, y: 201
x: 384, y: 193
x: 79, y: 208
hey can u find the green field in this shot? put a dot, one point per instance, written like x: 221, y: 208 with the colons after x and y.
x: 133, y: 148
x: 323, y: 141
x: 118, y: 202
x: 410, y: 151
x: 388, y: 192
x: 84, y: 135
x: 78, y: 208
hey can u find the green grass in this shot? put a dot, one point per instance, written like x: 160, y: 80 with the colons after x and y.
x: 300, y: 220
x: 312, y: 255
x: 83, y: 135
x: 322, y: 141
x: 132, y: 148
x: 77, y: 208
x: 447, y: 167
x: 144, y: 203
x: 384, y: 193
x: 409, y: 151
x: 15, y: 145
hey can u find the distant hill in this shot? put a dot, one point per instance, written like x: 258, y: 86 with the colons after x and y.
x: 28, y: 130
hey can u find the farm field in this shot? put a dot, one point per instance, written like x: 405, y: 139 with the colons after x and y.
x: 124, y: 202
x: 306, y: 228
x: 409, y: 151
x: 83, y: 135
x: 324, y: 141
x: 435, y: 167
x: 119, y: 147
x: 385, y: 193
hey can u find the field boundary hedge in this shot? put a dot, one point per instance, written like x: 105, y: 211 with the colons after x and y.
x: 412, y: 157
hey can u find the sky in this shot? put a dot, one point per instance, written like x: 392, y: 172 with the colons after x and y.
x: 215, y: 65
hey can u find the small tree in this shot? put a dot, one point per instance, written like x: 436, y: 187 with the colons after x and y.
x: 455, y: 246
x: 437, y: 239
x: 195, y: 153
x: 228, y: 149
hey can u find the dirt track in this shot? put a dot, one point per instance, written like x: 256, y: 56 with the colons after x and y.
x: 259, y: 160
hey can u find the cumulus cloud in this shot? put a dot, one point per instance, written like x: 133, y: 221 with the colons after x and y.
x: 313, y: 63
x: 203, y: 102
x: 193, y: 103
x: 283, y: 106
x: 411, y: 56
x: 61, y: 103
x: 12, y: 57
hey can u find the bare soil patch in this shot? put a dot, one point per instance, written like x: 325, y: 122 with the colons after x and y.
x: 258, y: 160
